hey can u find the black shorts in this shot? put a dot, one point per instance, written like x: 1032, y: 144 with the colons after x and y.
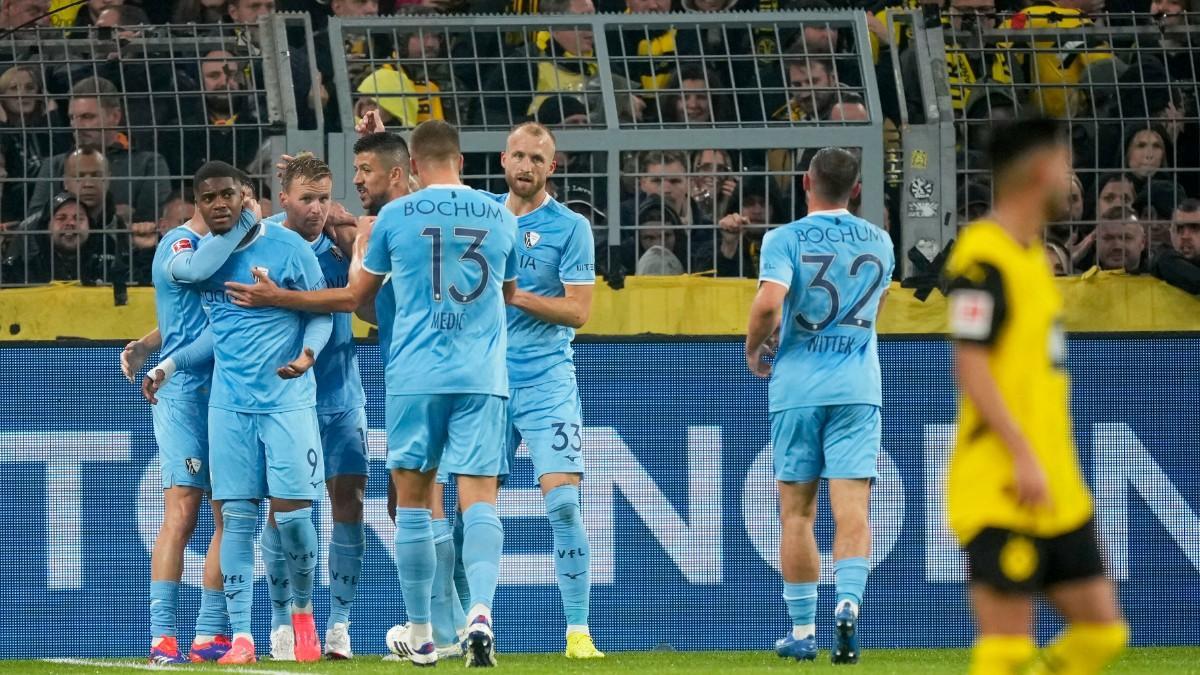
x: 1012, y: 562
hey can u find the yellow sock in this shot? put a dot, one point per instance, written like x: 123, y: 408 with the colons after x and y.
x: 1083, y: 649
x: 1001, y: 654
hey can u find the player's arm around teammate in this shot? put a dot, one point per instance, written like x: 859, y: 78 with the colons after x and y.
x: 1015, y: 496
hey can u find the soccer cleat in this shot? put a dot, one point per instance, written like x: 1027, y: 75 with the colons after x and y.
x: 304, y: 629
x: 240, y: 653
x: 337, y: 641
x: 202, y: 652
x: 481, y: 644
x: 845, y: 650
x: 283, y: 644
x: 397, y: 642
x: 166, y: 652
x: 580, y: 646
x: 801, y: 650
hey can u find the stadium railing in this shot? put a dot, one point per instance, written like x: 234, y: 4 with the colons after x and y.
x: 169, y: 122
x: 1115, y: 80
x: 611, y: 106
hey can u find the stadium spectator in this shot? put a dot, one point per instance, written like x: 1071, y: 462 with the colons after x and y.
x: 310, y: 95
x: 1052, y: 63
x: 28, y: 136
x: 559, y: 111
x: 1180, y: 266
x: 89, y: 13
x: 642, y: 55
x: 70, y: 251
x: 814, y: 88
x: 223, y: 123
x: 176, y: 211
x: 1120, y: 241
x: 1114, y: 190
x: 199, y: 11
x: 658, y: 247
x: 86, y: 175
x: 713, y: 185
x: 1059, y: 258
x: 557, y: 61
x: 740, y: 233
x: 139, y: 182
x: 688, y: 96
x: 17, y: 13
x: 1148, y: 160
x: 363, y: 52
x: 422, y: 58
x: 664, y: 174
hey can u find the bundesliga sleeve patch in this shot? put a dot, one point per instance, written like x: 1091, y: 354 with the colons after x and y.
x: 971, y: 313
x: 181, y: 246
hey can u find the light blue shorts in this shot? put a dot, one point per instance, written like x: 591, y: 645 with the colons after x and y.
x: 258, y: 455
x: 462, y: 434
x: 833, y: 441
x: 550, y: 420
x: 344, y: 439
x: 181, y: 431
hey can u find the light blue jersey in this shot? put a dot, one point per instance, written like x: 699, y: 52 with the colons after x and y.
x: 339, y: 385
x: 449, y: 250
x: 554, y: 249
x: 836, y: 267
x: 252, y: 344
x: 181, y: 318
x: 385, y: 314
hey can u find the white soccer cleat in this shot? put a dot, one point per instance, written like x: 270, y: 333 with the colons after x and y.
x: 337, y: 641
x: 480, y: 644
x: 399, y: 634
x: 420, y: 655
x: 283, y: 644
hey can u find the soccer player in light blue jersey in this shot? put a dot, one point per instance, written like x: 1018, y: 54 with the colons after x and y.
x: 180, y: 414
x: 262, y: 417
x: 305, y: 200
x: 556, y: 275
x: 822, y: 281
x: 450, y: 252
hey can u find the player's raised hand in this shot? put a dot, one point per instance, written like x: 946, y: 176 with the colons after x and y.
x: 251, y: 204
x: 298, y: 367
x: 371, y: 123
x: 151, y: 384
x: 756, y: 361
x: 282, y: 165
x: 262, y: 293
x: 133, y: 357
x: 1033, y: 490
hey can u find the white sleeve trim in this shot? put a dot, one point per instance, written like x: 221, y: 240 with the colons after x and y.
x: 371, y: 271
x: 578, y: 283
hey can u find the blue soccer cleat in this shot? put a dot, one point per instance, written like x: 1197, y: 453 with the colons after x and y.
x: 801, y: 650
x: 213, y: 650
x: 846, y: 648
x: 166, y: 653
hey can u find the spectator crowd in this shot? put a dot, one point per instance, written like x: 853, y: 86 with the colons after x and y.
x: 108, y: 106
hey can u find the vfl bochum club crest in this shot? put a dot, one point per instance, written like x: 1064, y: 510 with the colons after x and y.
x: 531, y: 239
x: 192, y: 464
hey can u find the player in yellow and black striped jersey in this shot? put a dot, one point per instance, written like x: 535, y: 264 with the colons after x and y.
x: 1015, y: 494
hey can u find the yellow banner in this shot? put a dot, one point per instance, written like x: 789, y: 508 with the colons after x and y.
x: 1101, y: 302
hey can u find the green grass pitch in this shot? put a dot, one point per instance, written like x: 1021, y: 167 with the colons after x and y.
x: 933, y: 661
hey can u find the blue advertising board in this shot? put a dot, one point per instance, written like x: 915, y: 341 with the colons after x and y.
x: 678, y: 499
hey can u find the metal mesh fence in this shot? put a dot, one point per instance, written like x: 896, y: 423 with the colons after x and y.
x: 1126, y: 87
x: 101, y: 130
x: 677, y: 134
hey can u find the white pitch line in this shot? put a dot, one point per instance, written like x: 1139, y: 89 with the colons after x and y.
x: 147, y: 666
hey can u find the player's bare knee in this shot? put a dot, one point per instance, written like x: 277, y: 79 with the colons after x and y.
x: 552, y: 481
x: 289, y: 505
x: 346, y: 496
